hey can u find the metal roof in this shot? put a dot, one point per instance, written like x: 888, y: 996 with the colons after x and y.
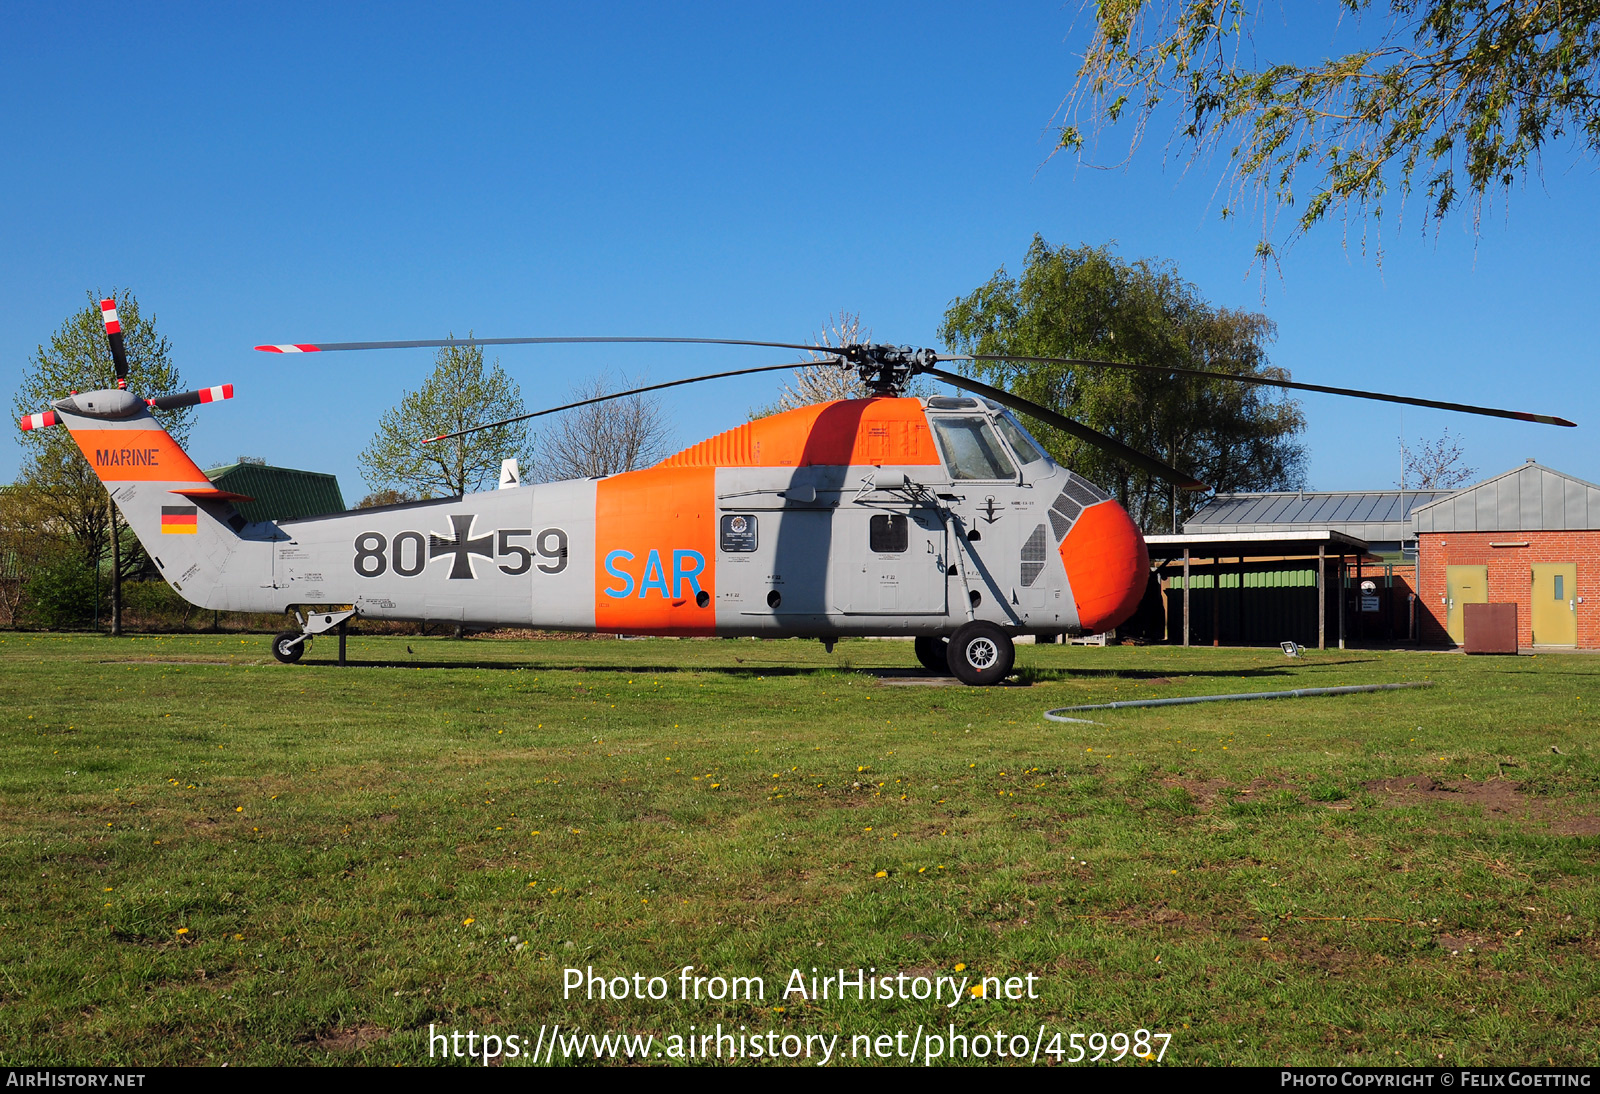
x: 1269, y: 544
x: 279, y: 493
x: 1374, y: 516
x: 1529, y: 498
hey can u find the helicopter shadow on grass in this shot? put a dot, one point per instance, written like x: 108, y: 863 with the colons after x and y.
x: 749, y: 668
x: 755, y: 669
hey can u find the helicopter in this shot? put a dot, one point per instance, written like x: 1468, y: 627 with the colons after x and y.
x: 939, y: 518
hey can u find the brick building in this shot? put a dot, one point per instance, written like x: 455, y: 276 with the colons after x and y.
x: 1529, y: 537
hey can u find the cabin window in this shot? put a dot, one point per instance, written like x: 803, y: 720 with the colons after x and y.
x: 972, y: 449
x: 1023, y: 445
x: 887, y: 534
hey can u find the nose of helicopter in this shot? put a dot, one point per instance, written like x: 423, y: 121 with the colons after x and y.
x: 1107, y: 565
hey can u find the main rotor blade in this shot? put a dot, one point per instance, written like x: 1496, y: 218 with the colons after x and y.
x: 1354, y: 393
x: 1115, y: 447
x: 625, y: 394
x: 324, y: 347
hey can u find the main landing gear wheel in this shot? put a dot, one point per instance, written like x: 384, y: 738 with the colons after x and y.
x: 981, y: 654
x: 289, y: 647
x: 933, y: 652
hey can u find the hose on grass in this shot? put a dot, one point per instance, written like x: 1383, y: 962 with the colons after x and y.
x: 1056, y: 714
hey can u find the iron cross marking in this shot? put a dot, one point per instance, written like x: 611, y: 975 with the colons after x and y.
x: 990, y: 514
x: 461, y: 546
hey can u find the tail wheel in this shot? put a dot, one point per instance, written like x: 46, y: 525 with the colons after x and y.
x: 289, y: 647
x: 934, y: 653
x: 981, y: 654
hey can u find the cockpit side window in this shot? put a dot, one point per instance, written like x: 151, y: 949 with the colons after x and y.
x: 1027, y: 449
x: 972, y: 449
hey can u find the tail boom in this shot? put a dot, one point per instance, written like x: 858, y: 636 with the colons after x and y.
x: 189, y: 527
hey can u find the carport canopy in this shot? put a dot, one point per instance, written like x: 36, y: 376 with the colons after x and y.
x: 1299, y: 542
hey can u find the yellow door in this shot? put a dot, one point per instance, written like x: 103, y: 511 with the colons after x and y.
x: 1555, y: 604
x: 1463, y: 585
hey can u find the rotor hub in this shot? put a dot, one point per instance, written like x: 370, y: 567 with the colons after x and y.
x: 887, y: 370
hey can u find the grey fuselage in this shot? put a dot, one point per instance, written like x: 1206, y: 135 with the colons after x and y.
x: 867, y: 517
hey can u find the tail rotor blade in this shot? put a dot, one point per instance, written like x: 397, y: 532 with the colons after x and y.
x: 1116, y: 448
x: 119, y: 351
x: 39, y: 421
x: 191, y: 398
x: 1264, y: 381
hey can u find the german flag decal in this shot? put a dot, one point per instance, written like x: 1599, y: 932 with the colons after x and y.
x: 179, y: 520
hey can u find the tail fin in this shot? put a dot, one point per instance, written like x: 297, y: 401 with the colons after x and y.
x: 189, y: 527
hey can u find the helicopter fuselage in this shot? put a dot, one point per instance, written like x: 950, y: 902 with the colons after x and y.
x: 883, y: 516
x: 881, y: 531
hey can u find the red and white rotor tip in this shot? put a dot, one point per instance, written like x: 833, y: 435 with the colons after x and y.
x: 191, y: 398
x: 291, y: 348
x: 40, y: 421
x: 119, y: 352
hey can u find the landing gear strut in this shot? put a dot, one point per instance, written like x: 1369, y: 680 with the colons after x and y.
x: 290, y: 646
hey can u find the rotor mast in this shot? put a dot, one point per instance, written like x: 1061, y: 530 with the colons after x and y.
x: 886, y: 370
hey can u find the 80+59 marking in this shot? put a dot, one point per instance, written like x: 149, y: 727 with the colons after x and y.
x: 410, y: 552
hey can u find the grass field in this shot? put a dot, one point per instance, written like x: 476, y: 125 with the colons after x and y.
x: 208, y: 857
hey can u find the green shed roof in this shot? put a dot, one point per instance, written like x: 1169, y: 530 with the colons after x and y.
x: 279, y: 493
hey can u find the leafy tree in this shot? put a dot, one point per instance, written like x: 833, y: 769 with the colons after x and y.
x: 29, y: 545
x: 1457, y: 96
x: 1435, y: 465
x: 1085, y: 302
x: 604, y: 438
x: 460, y: 394
x: 61, y: 594
x: 68, y: 491
x: 385, y: 497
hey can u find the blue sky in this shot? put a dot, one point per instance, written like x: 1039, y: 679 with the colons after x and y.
x: 275, y: 173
